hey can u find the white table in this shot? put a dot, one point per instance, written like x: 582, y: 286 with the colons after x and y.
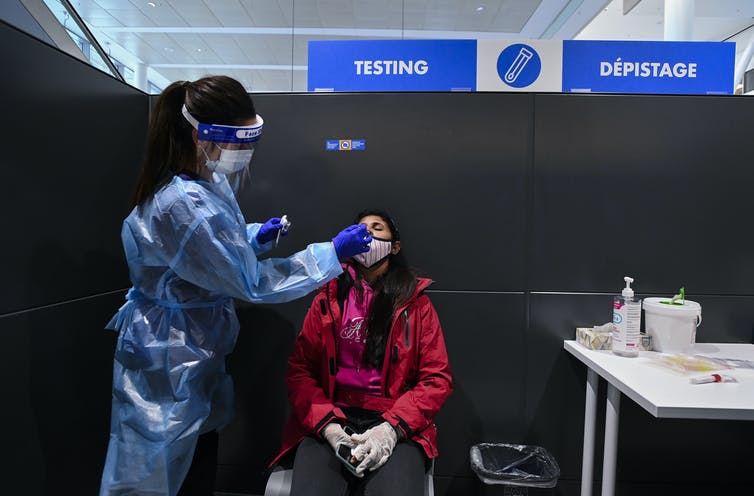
x: 662, y: 392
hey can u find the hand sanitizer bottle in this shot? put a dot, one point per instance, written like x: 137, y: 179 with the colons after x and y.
x: 626, y: 322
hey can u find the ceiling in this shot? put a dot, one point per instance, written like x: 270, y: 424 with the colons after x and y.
x: 263, y: 43
x: 714, y: 20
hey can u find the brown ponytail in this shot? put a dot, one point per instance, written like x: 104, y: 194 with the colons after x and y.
x: 170, y: 145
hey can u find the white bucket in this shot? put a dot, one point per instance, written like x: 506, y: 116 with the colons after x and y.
x: 672, y: 327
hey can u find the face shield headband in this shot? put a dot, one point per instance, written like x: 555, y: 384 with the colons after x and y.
x: 218, y: 133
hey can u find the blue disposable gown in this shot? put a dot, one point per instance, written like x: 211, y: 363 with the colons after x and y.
x: 189, y: 252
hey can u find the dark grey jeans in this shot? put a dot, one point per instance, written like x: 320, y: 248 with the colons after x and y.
x: 317, y: 472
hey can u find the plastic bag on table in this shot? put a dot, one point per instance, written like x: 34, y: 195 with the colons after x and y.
x: 688, y: 364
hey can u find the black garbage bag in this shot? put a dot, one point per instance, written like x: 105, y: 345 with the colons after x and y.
x: 514, y: 465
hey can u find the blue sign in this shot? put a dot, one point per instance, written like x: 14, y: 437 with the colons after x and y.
x: 519, y: 65
x: 392, y: 65
x: 345, y: 145
x: 669, y: 67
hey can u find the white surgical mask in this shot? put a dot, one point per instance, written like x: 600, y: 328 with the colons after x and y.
x: 379, y: 249
x: 230, y: 161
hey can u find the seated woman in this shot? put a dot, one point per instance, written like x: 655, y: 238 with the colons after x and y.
x: 370, y: 359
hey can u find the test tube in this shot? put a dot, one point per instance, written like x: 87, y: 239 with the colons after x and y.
x: 523, y: 58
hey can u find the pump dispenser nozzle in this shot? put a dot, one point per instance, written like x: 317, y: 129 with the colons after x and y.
x: 627, y: 291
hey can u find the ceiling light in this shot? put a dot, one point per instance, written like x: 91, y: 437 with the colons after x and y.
x: 480, y: 8
x: 152, y: 4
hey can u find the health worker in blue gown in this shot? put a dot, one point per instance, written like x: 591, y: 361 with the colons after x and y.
x: 190, y: 252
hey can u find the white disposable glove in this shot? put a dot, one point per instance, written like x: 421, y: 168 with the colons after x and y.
x: 335, y: 435
x: 374, y: 446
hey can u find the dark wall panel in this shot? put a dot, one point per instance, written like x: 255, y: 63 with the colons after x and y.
x: 258, y: 366
x: 554, y: 414
x: 449, y: 167
x: 55, y: 381
x: 655, y: 187
x: 23, y: 470
x: 72, y: 139
x: 485, y: 406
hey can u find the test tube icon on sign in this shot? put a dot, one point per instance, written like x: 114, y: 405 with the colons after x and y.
x: 518, y: 64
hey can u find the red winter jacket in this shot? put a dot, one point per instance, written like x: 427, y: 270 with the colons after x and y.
x: 416, y: 377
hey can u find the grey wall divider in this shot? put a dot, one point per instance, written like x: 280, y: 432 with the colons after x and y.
x: 72, y: 138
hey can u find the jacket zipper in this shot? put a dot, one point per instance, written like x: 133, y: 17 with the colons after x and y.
x: 406, y: 330
x: 325, y: 308
x: 394, y: 351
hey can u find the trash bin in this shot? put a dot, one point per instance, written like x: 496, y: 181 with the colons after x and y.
x: 514, y: 465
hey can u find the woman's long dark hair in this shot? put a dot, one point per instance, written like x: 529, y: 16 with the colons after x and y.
x: 393, y: 289
x: 170, y: 146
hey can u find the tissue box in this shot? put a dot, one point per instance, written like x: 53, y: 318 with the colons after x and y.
x: 592, y: 339
x: 596, y: 340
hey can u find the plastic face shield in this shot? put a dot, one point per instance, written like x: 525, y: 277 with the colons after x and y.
x: 235, y: 142
x: 220, y: 133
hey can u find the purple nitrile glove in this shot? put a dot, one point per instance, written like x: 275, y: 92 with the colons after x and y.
x: 351, y: 241
x: 269, y: 230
